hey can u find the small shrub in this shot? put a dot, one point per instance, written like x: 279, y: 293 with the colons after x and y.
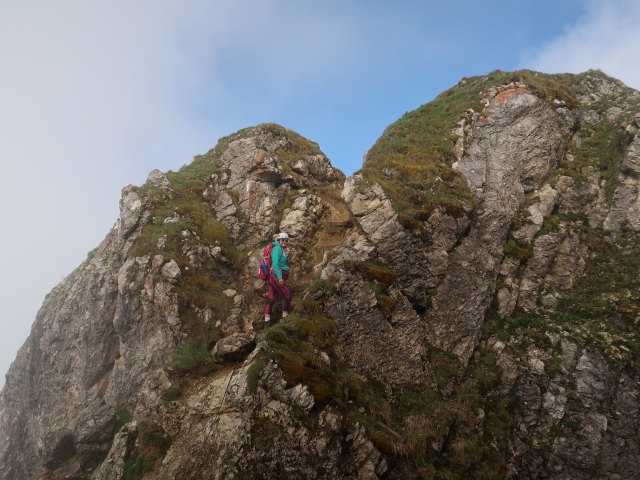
x: 253, y: 374
x: 172, y: 394
x: 387, y: 303
x: 518, y: 250
x: 136, y: 466
x: 91, y: 254
x: 571, y: 424
x: 552, y: 366
x: 122, y: 417
x: 151, y: 445
x: 193, y: 359
x: 329, y: 287
x: 445, y: 365
x: 379, y: 277
x: 156, y: 438
x: 378, y: 273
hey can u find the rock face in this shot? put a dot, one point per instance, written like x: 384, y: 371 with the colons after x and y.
x: 95, y: 339
x: 489, y: 337
x: 516, y: 143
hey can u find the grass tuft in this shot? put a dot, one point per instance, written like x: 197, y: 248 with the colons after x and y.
x: 194, y: 359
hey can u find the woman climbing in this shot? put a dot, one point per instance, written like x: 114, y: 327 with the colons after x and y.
x: 277, y: 279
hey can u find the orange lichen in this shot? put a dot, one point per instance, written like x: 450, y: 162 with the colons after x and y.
x: 504, y: 96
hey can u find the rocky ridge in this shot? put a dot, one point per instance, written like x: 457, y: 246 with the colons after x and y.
x: 477, y: 322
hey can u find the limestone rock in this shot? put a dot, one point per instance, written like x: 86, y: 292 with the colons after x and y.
x: 520, y: 127
x: 303, y: 216
x: 171, y: 269
x: 131, y: 211
x: 234, y: 346
x: 114, y: 465
x: 157, y: 178
x: 413, y: 306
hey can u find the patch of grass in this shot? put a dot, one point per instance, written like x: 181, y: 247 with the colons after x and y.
x: 91, y: 254
x: 533, y: 326
x: 377, y: 273
x: 265, y: 432
x: 387, y: 303
x: 551, y: 87
x: 569, y: 425
x: 552, y: 223
x: 200, y: 290
x: 446, y: 365
x: 253, y: 374
x: 152, y: 444
x: 516, y: 249
x: 156, y: 438
x: 552, y: 366
x: 122, y: 417
x: 297, y: 144
x: 136, y: 466
x: 325, y: 287
x: 603, y: 308
x: 433, y: 433
x: 194, y: 359
x: 289, y: 199
x: 295, y: 345
x: 439, y: 435
x: 172, y: 394
x: 602, y: 149
x: 495, y: 325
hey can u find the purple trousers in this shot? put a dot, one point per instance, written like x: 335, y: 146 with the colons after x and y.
x: 276, y: 290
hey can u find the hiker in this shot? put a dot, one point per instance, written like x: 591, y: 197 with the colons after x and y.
x: 277, y: 279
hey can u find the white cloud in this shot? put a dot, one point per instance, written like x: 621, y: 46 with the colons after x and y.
x: 606, y: 37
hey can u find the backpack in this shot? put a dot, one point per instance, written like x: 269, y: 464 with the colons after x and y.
x: 265, y: 264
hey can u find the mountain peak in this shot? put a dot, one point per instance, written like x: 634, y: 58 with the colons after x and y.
x: 464, y: 306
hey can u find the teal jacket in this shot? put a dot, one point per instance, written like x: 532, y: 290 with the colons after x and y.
x: 278, y: 260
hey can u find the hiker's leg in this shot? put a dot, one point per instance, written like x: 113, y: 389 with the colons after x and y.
x: 286, y: 293
x: 272, y: 295
x: 287, y: 296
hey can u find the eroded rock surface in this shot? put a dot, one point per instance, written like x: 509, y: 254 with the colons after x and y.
x: 423, y: 315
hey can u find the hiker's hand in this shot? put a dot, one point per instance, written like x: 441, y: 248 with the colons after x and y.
x: 281, y: 281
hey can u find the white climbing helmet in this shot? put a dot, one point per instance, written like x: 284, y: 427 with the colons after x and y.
x: 282, y: 235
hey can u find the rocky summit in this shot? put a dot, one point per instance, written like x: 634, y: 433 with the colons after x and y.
x: 467, y: 306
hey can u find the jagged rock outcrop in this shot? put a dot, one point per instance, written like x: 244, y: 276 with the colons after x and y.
x: 120, y: 316
x: 467, y: 311
x: 97, y: 335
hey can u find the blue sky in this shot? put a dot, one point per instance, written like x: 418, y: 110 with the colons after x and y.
x: 94, y: 95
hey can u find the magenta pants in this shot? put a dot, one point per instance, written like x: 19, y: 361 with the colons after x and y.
x: 276, y: 290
